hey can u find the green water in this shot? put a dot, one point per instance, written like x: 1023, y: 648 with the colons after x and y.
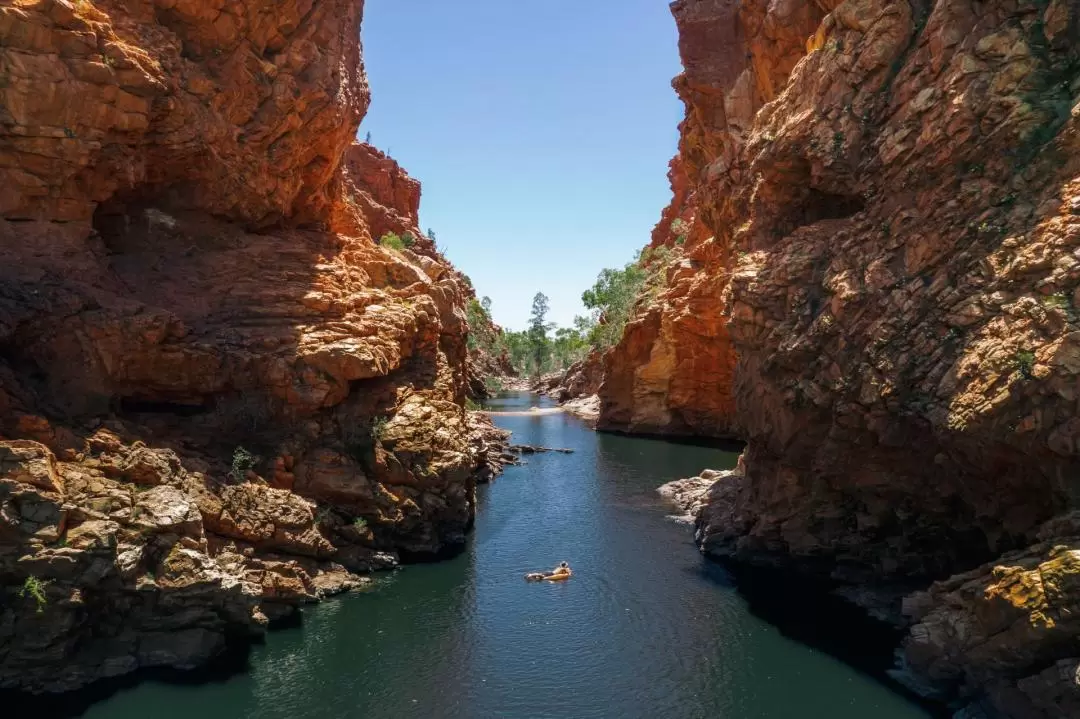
x: 646, y: 628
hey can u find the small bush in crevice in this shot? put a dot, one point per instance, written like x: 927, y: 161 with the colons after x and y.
x: 1059, y: 300
x: 1025, y: 363
x: 391, y: 241
x: 242, y: 461
x: 378, y: 428
x: 35, y: 589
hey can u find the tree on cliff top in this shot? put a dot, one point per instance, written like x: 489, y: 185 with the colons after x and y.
x: 612, y: 299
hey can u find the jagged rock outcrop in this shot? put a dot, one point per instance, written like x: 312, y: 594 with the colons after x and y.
x: 390, y: 199
x: 1006, y: 632
x: 690, y: 495
x: 219, y: 397
x: 576, y: 387
x: 581, y: 379
x: 891, y: 193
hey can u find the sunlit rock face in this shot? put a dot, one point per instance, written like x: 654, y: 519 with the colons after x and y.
x: 219, y: 398
x: 880, y: 204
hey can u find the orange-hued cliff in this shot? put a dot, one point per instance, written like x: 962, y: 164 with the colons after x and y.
x: 219, y: 397
x: 877, y: 286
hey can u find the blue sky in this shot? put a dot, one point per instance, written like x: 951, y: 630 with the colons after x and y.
x: 541, y: 132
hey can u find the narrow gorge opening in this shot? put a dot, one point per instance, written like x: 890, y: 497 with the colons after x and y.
x: 262, y: 374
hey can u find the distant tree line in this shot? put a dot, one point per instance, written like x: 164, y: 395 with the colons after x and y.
x: 543, y: 347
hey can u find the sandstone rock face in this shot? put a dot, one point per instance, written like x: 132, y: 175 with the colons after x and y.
x: 242, y: 109
x: 673, y: 372
x: 219, y: 398
x: 891, y: 200
x: 874, y: 310
x: 388, y: 199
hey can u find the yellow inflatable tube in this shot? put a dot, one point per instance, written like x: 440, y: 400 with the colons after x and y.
x: 539, y: 577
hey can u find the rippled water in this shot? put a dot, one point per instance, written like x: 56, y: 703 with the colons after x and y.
x: 646, y: 627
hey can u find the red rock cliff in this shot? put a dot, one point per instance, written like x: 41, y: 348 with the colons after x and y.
x: 891, y: 199
x: 211, y: 407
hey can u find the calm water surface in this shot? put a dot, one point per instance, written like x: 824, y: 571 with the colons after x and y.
x: 646, y: 628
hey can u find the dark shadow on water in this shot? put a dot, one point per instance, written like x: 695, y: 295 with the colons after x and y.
x: 804, y: 609
x: 447, y: 551
x: 233, y: 661
x: 727, y: 445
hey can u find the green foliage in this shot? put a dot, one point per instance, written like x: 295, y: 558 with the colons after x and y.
x: 516, y: 347
x: 470, y: 405
x: 493, y: 385
x: 570, y: 345
x: 481, y: 330
x: 1025, y: 362
x: 680, y: 229
x: 35, y: 589
x: 242, y: 461
x: 408, y: 239
x: 360, y: 524
x: 612, y: 300
x: 323, y: 514
x: 1059, y: 300
x: 392, y: 242
x: 378, y: 428
x: 539, y: 344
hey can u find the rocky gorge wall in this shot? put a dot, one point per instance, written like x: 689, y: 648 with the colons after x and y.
x: 219, y: 397
x: 880, y: 204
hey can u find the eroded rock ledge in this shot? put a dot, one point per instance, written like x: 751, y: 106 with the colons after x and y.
x: 220, y: 398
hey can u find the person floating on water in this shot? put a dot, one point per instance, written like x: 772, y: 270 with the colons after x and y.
x: 560, y: 573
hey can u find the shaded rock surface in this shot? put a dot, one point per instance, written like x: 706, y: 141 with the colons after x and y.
x: 219, y: 397
x: 879, y: 204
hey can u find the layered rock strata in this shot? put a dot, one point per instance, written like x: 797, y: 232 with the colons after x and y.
x: 219, y: 397
x: 891, y: 195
